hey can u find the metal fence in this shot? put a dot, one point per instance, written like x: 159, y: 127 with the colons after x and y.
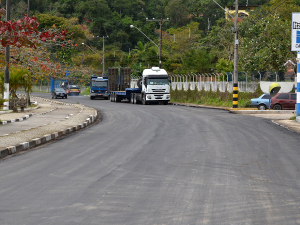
x: 184, y: 82
x: 206, y: 85
x: 248, y: 82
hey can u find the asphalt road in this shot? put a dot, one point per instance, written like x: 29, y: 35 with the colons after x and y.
x: 157, y: 164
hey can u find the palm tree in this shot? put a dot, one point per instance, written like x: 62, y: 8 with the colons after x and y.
x: 18, y: 77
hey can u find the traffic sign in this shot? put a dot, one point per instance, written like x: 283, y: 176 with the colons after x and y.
x: 295, y: 46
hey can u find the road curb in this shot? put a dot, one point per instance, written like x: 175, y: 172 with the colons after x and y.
x: 199, y: 106
x: 16, y: 120
x: 237, y: 111
x: 263, y: 112
x: 10, y: 150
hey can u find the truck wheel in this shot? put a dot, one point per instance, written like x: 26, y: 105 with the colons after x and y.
x: 111, y: 97
x: 118, y: 98
x: 144, y: 102
x: 131, y: 99
x: 134, y: 99
x: 91, y: 97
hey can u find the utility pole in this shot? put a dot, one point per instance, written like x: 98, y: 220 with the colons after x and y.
x: 103, y: 61
x: 103, y: 56
x: 6, y: 72
x: 28, y: 7
x: 161, y: 21
x: 236, y: 58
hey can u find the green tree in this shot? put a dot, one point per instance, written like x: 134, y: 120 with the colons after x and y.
x: 177, y: 11
x: 224, y: 65
x: 265, y: 43
x: 197, y: 61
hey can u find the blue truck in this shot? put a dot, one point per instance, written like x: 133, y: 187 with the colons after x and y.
x: 153, y: 86
x: 99, y: 87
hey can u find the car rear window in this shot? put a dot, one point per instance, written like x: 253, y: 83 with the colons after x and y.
x: 74, y: 87
x: 293, y: 96
x: 283, y: 96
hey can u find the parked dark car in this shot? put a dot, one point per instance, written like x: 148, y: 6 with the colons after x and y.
x: 59, y: 92
x: 73, y: 90
x: 283, y: 101
x: 262, y: 102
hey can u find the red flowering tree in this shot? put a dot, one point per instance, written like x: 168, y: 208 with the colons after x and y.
x: 25, y: 32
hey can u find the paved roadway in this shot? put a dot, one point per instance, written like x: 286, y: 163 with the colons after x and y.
x: 157, y: 164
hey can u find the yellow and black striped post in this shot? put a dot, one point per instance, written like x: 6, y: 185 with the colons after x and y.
x: 235, y: 99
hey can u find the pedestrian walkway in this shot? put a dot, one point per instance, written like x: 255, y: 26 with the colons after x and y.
x: 45, y: 113
x: 49, y: 117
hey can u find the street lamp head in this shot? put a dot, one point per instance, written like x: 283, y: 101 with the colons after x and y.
x: 82, y: 43
x: 131, y: 26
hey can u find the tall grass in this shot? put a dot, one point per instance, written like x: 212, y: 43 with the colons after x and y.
x: 213, y: 98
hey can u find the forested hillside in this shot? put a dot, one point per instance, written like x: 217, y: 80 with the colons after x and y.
x: 197, y: 38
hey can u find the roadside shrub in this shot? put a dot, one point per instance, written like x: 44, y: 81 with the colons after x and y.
x: 258, y: 92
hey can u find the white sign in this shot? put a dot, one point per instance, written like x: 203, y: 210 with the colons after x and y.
x: 295, y: 31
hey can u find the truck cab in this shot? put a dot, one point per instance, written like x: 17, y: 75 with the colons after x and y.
x: 155, y: 86
x: 99, y: 87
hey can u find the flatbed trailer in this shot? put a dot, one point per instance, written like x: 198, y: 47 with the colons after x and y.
x: 118, y: 96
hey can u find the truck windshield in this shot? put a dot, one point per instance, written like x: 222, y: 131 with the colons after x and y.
x: 158, y: 81
x: 99, y: 84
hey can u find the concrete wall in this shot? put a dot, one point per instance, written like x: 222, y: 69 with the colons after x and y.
x: 285, y: 86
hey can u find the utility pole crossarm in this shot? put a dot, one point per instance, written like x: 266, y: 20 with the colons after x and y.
x: 158, y: 20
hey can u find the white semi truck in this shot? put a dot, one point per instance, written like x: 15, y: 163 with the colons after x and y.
x: 153, y: 87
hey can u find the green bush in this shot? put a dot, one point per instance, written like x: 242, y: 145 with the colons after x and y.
x: 86, y: 91
x: 214, y: 98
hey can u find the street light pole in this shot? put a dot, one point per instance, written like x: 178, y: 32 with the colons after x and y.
x: 93, y: 51
x: 90, y: 48
x: 132, y: 26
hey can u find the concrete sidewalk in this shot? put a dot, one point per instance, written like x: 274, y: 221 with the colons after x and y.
x: 47, y: 121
